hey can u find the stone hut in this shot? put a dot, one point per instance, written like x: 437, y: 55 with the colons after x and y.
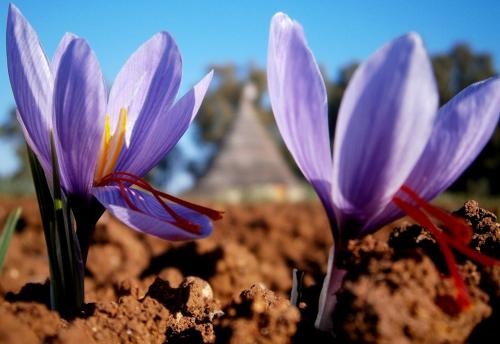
x: 248, y: 163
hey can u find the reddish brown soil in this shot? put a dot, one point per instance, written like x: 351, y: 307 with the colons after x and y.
x: 397, y: 291
x: 233, y: 287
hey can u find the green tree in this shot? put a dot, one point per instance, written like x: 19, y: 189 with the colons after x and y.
x: 20, y: 181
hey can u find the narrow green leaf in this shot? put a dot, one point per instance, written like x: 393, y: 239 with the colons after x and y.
x: 7, y: 232
x: 43, y: 193
x: 56, y: 179
x: 46, y: 206
x: 69, y: 298
x: 66, y: 265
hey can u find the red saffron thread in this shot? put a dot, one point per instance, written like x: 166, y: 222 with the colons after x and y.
x: 463, y: 299
x: 457, y: 234
x: 124, y: 195
x: 457, y: 226
x: 125, y: 179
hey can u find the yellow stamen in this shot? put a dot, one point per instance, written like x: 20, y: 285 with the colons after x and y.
x: 111, y: 145
x: 104, y: 148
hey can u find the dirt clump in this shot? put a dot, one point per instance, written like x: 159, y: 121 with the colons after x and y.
x: 182, y: 314
x: 486, y: 239
x: 257, y: 315
x: 400, y: 291
x: 192, y: 307
x: 166, y: 314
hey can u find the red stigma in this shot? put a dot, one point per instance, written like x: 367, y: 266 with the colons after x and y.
x: 456, y: 234
x: 124, y: 180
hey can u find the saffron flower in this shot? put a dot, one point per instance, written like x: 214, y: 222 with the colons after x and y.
x: 393, y: 149
x: 102, y: 145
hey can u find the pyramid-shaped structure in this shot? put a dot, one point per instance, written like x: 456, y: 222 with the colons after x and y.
x: 248, y: 156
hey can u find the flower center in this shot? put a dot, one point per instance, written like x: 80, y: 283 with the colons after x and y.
x: 124, y: 180
x: 105, y: 175
x: 111, y: 146
x: 456, y: 234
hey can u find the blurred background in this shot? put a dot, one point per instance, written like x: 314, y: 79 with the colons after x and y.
x: 234, y: 152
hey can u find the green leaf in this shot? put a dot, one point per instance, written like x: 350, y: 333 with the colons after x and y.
x: 66, y: 265
x: 69, y: 297
x: 42, y: 190
x: 46, y: 206
x: 7, y: 232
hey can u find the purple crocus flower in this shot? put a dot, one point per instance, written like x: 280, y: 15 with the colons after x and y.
x: 106, y: 143
x: 389, y: 134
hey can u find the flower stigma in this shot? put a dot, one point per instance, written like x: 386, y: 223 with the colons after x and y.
x: 456, y: 234
x: 105, y: 175
x: 124, y: 180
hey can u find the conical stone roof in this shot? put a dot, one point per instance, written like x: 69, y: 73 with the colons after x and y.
x: 247, y: 158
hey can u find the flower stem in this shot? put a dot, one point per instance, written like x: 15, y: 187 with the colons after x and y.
x: 87, y: 213
x: 328, y: 298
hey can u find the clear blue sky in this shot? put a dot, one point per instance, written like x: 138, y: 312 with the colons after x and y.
x: 237, y: 31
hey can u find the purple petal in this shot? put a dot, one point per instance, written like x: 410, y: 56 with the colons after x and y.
x: 166, y: 131
x: 151, y: 217
x: 146, y: 85
x: 60, y: 50
x: 463, y: 127
x: 384, y: 123
x: 299, y: 102
x: 32, y: 83
x: 79, y: 105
